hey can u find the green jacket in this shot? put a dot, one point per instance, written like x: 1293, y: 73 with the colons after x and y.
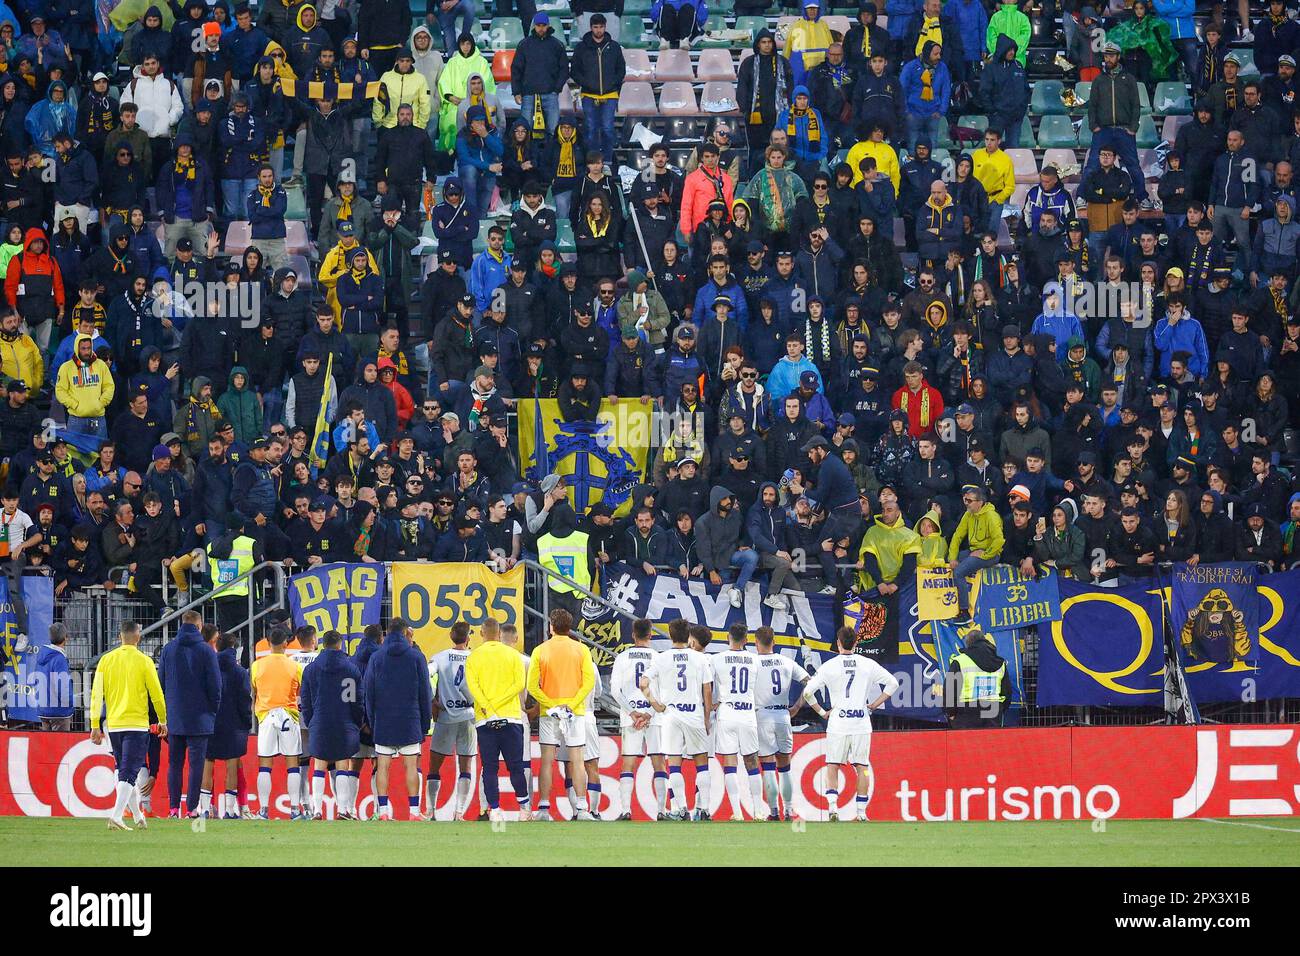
x: 1009, y: 20
x: 241, y: 408
x: 982, y: 531
x: 1065, y: 550
x: 393, y: 247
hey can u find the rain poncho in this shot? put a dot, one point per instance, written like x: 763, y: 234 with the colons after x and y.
x: 1151, y: 35
x: 777, y: 190
x: 454, y: 82
x: 48, y: 118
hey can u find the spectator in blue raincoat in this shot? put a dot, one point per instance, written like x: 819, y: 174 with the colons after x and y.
x: 972, y: 24
x: 52, y: 115
x: 806, y: 129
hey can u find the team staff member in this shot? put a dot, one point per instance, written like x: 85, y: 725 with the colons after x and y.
x: 560, y: 678
x: 276, y: 681
x: 399, y: 708
x: 332, y: 713
x: 496, y: 676
x: 191, y: 678
x: 126, y: 684
x: 977, y: 696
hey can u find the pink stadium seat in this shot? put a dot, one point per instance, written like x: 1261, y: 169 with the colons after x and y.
x: 674, y: 65
x: 715, y: 65
x: 1060, y: 158
x: 678, y: 99
x: 638, y: 65
x: 1017, y: 200
x: 237, y: 238
x: 1025, y: 166
x: 838, y: 23
x: 1169, y: 131
x: 296, y: 242
x: 637, y: 99
x: 719, y: 96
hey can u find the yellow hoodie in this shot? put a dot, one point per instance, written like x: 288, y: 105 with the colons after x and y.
x: 332, y: 267
x: 21, y: 358
x: 398, y: 89
x: 885, y: 157
x: 84, y: 390
x: 494, y: 676
x: 126, y: 682
x: 996, y: 173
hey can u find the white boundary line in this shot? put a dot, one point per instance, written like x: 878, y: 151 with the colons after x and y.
x: 1242, y: 823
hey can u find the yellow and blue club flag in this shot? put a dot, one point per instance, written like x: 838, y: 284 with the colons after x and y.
x: 320, y: 438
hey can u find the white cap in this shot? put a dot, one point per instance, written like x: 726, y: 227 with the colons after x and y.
x: 99, y: 76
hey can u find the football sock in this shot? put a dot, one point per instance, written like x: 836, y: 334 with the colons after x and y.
x: 703, y: 780
x: 862, y: 802
x: 625, y: 781
x: 318, y: 791
x: 787, y: 789
x: 661, y: 790
x: 678, y: 784
x: 231, y: 804
x: 593, y: 797
x: 264, y: 789
x: 732, y: 786
x: 464, y: 787
x: 413, y: 802
x: 123, y: 799
x: 432, y: 783
x: 205, y: 801
x: 295, y: 788
x: 769, y: 783
x: 756, y: 790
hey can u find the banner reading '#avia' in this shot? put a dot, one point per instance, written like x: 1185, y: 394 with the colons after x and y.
x: 1064, y: 773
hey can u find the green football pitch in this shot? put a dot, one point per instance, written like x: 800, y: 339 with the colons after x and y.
x: 67, y: 842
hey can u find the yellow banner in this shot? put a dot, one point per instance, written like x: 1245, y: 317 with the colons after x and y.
x: 936, y: 594
x: 600, y: 460
x: 319, y: 90
x: 433, y: 597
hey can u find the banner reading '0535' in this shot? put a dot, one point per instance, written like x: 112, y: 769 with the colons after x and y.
x: 433, y: 597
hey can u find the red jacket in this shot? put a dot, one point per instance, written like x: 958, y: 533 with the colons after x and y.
x: 29, y: 263
x: 924, y: 408
x: 697, y: 192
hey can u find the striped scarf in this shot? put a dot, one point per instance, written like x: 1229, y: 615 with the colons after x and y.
x: 568, y: 165
x: 814, y: 127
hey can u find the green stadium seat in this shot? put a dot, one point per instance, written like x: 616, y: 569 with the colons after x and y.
x: 1085, y: 135
x: 715, y: 22
x: 1082, y: 90
x: 1147, y: 137
x: 1144, y: 99
x: 505, y: 33
x: 564, y: 240
x: 1172, y: 99
x: 1056, y: 132
x: 297, y: 207
x: 635, y: 8
x: 752, y: 24
x: 1046, y: 98
x: 480, y: 241
x: 1027, y: 140
x: 1248, y: 68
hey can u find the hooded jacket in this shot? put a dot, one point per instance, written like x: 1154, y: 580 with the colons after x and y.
x: 598, y: 69
x: 191, y: 682
x: 541, y: 64
x: 404, y: 89
x: 926, y: 95
x: 41, y: 280
x: 85, y: 389
x: 159, y: 102
x: 48, y: 118
x: 303, y: 44
x: 717, y: 537
x: 240, y: 407
x: 331, y: 714
x: 235, y: 713
x: 397, y: 693
x: 764, y: 83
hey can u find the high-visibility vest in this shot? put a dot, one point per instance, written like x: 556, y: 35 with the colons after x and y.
x: 226, y: 570
x: 567, y: 557
x: 978, y: 685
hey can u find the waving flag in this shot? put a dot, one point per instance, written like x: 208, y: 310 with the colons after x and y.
x: 320, y: 439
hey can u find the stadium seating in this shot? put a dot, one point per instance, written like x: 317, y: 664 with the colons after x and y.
x: 637, y: 99
x: 1057, y: 132
x: 674, y: 65
x: 564, y: 240
x: 715, y: 65
x: 1045, y: 99
x: 1082, y: 90
x: 1061, y: 158
x: 1169, y: 130
x: 505, y: 33
x: 714, y: 24
x: 1172, y: 99
x: 1025, y: 166
x: 719, y: 96
x: 678, y: 99
x: 501, y: 60
x: 639, y: 67
x: 1146, y: 134
x: 753, y: 25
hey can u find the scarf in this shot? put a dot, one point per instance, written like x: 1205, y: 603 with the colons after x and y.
x: 550, y: 271
x: 265, y: 192
x: 927, y: 84
x: 568, y: 165
x: 345, y: 207
x: 361, y: 547
x: 119, y: 263
x: 924, y: 395
x: 810, y: 117
x: 185, y: 168
x: 1279, y: 305
x: 539, y: 121
x: 866, y: 44
x: 778, y: 206
x: 195, y: 406
x: 929, y: 31
x: 598, y: 227
x: 411, y: 530
x: 820, y: 350
x: 778, y: 85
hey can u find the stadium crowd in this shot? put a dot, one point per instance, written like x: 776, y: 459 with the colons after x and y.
x: 1105, y: 386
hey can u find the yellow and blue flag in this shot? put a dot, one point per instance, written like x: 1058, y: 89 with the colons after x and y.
x: 320, y: 438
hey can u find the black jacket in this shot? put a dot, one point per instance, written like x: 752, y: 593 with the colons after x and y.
x: 406, y: 156
x: 598, y: 68
x: 541, y: 64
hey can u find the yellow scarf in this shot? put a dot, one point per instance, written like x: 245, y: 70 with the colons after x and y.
x: 184, y: 168
x: 539, y: 120
x: 568, y: 165
x: 598, y: 227
x: 929, y: 32
x: 924, y: 395
x: 345, y: 207
x: 814, y: 128
x: 927, y: 84
x: 265, y: 192
x: 866, y: 43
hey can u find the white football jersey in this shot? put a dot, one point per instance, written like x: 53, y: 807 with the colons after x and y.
x: 455, y: 703
x: 734, y: 675
x: 625, y: 683
x: 852, y: 681
x: 679, y: 677
x: 303, y: 657
x: 776, y: 673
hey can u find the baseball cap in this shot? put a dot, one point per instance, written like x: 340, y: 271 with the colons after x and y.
x: 345, y: 228
x: 846, y: 419
x: 817, y: 441
x: 808, y: 379
x: 320, y: 503
x: 160, y: 452
x: 965, y: 408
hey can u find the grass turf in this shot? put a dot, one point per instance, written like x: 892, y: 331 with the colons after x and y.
x: 66, y: 842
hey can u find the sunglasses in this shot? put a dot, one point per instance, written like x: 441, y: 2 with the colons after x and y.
x: 430, y: 408
x: 820, y: 186
x: 749, y: 375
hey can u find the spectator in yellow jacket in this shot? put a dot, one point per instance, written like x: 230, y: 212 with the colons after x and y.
x: 885, y: 156
x: 402, y: 84
x: 20, y: 357
x: 84, y: 387
x: 336, y: 262
x: 996, y: 173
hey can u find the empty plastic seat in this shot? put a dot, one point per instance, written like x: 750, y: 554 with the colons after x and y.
x: 1062, y: 159
x: 715, y: 65
x: 1247, y: 57
x: 636, y: 7
x: 1056, y: 131
x: 1146, y: 134
x: 297, y: 204
x: 1169, y: 130
x: 238, y: 238
x: 638, y: 65
x: 1085, y: 135
x: 674, y: 65
x: 716, y: 23
x: 719, y: 96
x: 681, y: 131
x: 838, y: 24
x: 302, y: 267
x: 1018, y: 195
x: 501, y: 60
x: 1172, y: 99
x: 753, y: 25
x: 678, y: 99
x: 636, y: 99
x: 1027, y: 140
x: 295, y: 238
x: 1022, y: 160
x: 505, y: 33
x: 1046, y: 98
x: 564, y: 236
x: 1144, y: 99
x: 974, y: 121
x: 1082, y: 90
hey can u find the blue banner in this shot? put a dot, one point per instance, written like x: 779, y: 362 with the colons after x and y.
x: 1107, y: 648
x: 916, y: 662
x: 1215, y: 619
x: 1279, y: 635
x: 338, y: 597
x: 21, y: 689
x: 950, y: 640
x: 1005, y: 598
